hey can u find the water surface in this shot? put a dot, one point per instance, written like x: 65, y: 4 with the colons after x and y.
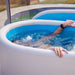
x: 66, y: 39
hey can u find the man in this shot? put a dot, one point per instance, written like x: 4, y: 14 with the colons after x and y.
x: 40, y: 44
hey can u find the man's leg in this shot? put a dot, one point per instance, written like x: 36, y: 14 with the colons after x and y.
x: 21, y: 43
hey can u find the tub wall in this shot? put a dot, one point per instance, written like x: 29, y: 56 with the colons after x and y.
x: 19, y: 60
x: 0, y: 61
x: 56, y: 14
x: 15, y: 62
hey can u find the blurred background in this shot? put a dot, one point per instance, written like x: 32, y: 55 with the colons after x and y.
x: 18, y: 3
x: 21, y: 10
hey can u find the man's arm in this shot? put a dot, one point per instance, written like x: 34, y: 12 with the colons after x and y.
x: 64, y: 25
x: 58, y: 50
x: 59, y: 30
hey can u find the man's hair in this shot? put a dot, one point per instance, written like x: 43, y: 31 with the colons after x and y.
x: 13, y: 40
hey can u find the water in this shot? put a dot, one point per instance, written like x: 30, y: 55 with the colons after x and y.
x: 66, y: 39
x: 32, y: 36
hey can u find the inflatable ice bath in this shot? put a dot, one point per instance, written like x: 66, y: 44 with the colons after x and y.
x: 22, y: 60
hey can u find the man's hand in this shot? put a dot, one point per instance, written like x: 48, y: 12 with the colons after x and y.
x: 68, y: 23
x: 59, y: 51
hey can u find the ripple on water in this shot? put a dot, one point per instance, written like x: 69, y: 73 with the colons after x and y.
x: 65, y: 39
